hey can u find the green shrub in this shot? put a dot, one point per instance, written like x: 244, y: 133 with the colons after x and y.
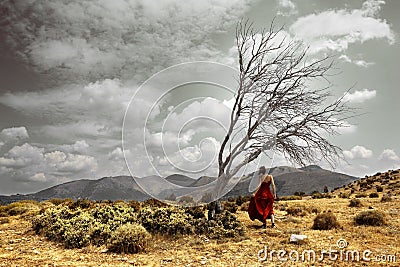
x: 344, y: 195
x: 77, y: 228
x: 354, y: 202
x: 153, y: 203
x: 370, y: 217
x: 224, y: 225
x: 82, y: 203
x: 379, y: 188
x: 196, y: 212
x: 168, y: 220
x: 134, y: 204
x: 374, y: 195
x: 129, y: 238
x: 325, y: 221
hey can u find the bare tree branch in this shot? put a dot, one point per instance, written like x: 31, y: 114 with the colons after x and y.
x: 276, y: 106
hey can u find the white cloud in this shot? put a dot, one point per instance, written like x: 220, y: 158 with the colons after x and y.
x: 13, y: 134
x: 286, y: 8
x: 38, y: 177
x: 118, y: 154
x: 132, y: 38
x: 336, y: 29
x: 359, y: 96
x: 30, y: 163
x: 70, y: 163
x: 358, y: 62
x: 358, y: 152
x: 389, y: 155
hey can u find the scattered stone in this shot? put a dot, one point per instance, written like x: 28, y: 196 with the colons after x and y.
x: 297, y: 238
x: 36, y: 251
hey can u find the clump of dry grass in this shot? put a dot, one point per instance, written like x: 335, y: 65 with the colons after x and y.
x: 355, y: 202
x: 374, y: 195
x: 4, y: 220
x: 370, y: 217
x: 297, y: 210
x: 325, y: 221
x: 129, y: 238
x: 386, y: 198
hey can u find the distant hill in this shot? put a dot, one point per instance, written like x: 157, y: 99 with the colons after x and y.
x: 109, y: 188
x: 180, y: 179
x: 288, y: 180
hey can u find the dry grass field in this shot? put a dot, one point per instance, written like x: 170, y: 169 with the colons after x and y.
x: 20, y: 246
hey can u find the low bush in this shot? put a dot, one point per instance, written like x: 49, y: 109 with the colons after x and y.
x: 344, y: 195
x: 4, y: 220
x: 167, y: 220
x: 379, y: 189
x: 285, y: 198
x: 224, y: 225
x: 77, y: 227
x: 370, y: 217
x: 242, y: 199
x: 386, y: 198
x: 153, y: 203
x: 82, y: 203
x: 59, y: 201
x: 20, y: 208
x: 196, y: 212
x: 129, y: 238
x: 360, y: 195
x: 297, y: 210
x: 320, y: 195
x: 374, y: 195
x: 354, y: 202
x: 134, y: 204
x: 325, y: 221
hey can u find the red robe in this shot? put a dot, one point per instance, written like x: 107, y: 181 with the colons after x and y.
x: 261, y: 206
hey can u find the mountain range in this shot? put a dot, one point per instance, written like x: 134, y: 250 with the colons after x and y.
x: 288, y: 180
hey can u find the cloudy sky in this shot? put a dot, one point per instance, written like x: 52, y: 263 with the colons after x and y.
x: 68, y: 70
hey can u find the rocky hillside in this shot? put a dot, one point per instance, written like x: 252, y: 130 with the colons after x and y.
x: 387, y: 183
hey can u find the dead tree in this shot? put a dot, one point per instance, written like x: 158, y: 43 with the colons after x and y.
x: 277, y: 106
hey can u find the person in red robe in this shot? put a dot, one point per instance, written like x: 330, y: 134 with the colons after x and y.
x: 261, y: 205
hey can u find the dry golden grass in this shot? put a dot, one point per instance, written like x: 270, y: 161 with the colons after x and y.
x: 19, y: 246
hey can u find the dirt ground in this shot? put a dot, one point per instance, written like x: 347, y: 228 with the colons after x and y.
x: 19, y: 246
